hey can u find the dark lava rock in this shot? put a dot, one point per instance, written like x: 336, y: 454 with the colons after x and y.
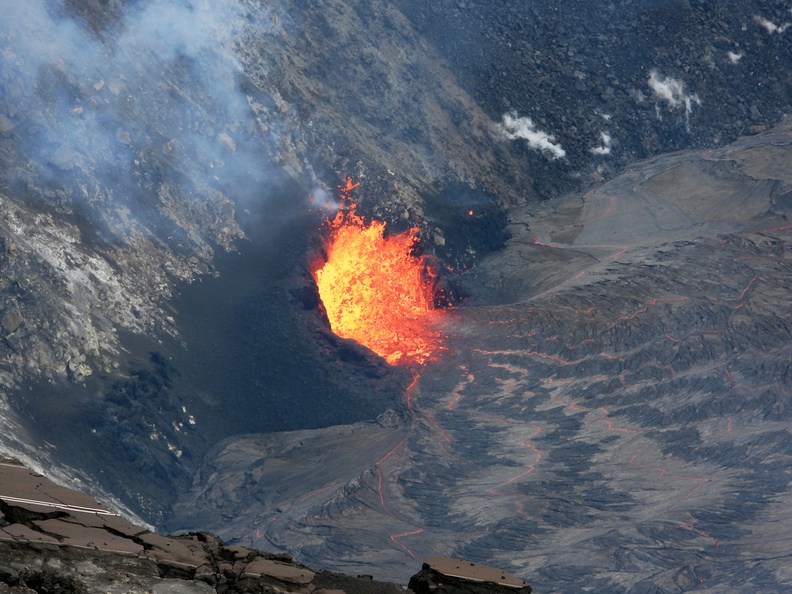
x: 616, y: 387
x: 620, y: 380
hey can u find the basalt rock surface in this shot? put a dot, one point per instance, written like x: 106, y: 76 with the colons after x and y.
x: 441, y: 574
x: 581, y: 69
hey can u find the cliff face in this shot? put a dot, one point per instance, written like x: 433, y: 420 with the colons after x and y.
x: 142, y: 136
x: 129, y: 150
x: 53, y: 539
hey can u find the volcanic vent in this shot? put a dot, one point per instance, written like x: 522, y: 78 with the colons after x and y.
x: 377, y: 290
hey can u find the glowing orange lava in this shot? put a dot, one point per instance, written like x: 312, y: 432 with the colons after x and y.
x: 376, y: 291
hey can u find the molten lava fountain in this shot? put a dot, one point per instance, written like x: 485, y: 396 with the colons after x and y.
x: 376, y: 291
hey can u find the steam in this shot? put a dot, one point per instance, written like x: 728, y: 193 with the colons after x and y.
x: 605, y: 147
x: 514, y: 127
x: 770, y: 26
x: 152, y: 101
x: 672, y: 92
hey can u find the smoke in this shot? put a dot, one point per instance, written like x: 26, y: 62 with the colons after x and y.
x: 514, y: 127
x: 322, y: 198
x: 151, y: 102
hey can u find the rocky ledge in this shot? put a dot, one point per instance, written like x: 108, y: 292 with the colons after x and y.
x: 54, y: 539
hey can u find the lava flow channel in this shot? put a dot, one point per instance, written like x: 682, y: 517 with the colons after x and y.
x: 376, y: 291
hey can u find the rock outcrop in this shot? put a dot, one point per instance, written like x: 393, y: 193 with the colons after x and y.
x: 443, y: 574
x: 54, y: 539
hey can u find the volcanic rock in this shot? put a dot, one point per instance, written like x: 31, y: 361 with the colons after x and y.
x: 441, y: 574
x: 56, y: 540
x: 622, y: 358
x: 126, y: 185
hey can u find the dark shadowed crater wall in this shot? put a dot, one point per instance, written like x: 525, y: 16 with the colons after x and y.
x: 255, y: 355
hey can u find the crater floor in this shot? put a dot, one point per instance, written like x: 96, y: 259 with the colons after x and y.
x: 612, y: 411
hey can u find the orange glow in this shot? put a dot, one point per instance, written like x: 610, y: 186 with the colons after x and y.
x: 376, y: 291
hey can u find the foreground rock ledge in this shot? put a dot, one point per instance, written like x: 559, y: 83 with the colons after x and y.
x: 442, y: 574
x: 54, y: 539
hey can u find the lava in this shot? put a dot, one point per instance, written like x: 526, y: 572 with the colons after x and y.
x: 376, y: 291
x: 394, y: 538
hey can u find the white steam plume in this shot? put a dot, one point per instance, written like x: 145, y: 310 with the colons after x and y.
x: 672, y: 92
x: 605, y: 148
x: 770, y: 26
x: 514, y: 127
